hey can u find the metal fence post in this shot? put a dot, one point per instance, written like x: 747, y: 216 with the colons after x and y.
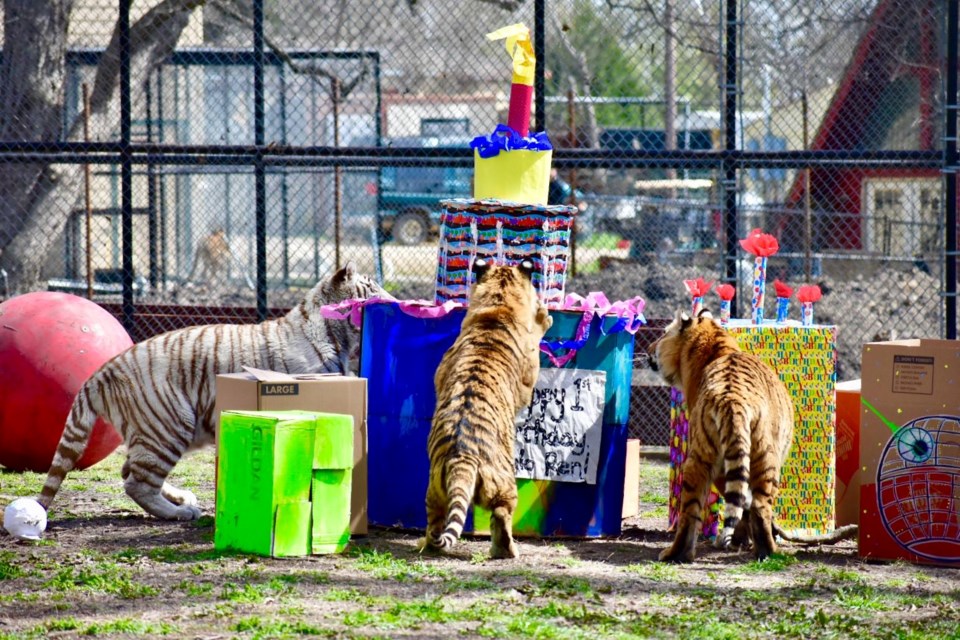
x: 950, y: 175
x: 259, y: 169
x: 539, y: 50
x: 729, y: 182
x: 126, y: 169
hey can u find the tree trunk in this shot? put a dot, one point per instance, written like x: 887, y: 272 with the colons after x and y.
x: 47, y: 200
x: 669, y: 87
x: 581, y: 71
x: 31, y: 97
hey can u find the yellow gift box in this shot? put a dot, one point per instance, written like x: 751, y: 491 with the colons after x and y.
x: 520, y: 176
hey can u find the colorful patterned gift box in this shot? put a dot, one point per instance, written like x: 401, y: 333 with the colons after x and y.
x: 402, y: 344
x: 506, y: 233
x: 805, y: 359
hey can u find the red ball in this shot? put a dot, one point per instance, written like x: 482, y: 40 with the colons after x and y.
x: 50, y: 343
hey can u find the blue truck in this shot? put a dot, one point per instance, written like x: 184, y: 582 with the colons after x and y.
x: 408, y: 197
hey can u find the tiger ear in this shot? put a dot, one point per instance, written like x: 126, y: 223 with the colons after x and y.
x: 480, y: 268
x: 685, y: 319
x: 346, y: 272
x: 705, y: 313
x: 526, y: 268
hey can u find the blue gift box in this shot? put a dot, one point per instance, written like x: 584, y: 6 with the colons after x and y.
x: 399, y: 356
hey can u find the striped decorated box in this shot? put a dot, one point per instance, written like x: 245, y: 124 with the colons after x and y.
x: 805, y: 358
x: 507, y: 233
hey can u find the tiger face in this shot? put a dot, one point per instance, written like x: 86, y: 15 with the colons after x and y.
x: 346, y: 284
x: 667, y: 352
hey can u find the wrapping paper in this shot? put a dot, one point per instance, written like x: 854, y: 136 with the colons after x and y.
x: 506, y: 233
x: 400, y: 351
x: 805, y: 360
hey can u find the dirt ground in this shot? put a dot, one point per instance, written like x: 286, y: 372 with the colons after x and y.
x: 106, y: 569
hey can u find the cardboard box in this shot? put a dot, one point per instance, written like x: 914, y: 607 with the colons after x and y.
x: 910, y: 452
x: 848, y: 452
x: 631, y: 480
x: 283, y: 482
x: 257, y: 390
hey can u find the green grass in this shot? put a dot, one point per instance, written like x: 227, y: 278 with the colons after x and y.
x: 385, y: 566
x: 835, y: 575
x: 173, y: 555
x: 567, y: 586
x: 129, y: 626
x: 599, y: 241
x: 660, y: 513
x: 104, y: 577
x: 655, y: 571
x: 260, y: 628
x: 398, y: 614
x: 655, y: 498
x: 862, y: 597
x: 9, y: 570
x: 255, y: 592
x: 774, y: 563
x: 587, y: 268
x: 17, y: 484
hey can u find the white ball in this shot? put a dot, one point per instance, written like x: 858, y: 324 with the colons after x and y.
x: 24, y: 518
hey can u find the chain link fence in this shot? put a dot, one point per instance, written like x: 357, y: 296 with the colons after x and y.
x: 207, y: 161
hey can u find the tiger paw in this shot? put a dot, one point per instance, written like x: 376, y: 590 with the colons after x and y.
x: 724, y: 539
x: 187, y: 512
x: 505, y: 553
x: 676, y: 556
x: 185, y: 498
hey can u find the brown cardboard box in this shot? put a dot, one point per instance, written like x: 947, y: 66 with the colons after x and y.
x: 848, y: 452
x: 631, y: 480
x: 910, y: 451
x: 258, y: 390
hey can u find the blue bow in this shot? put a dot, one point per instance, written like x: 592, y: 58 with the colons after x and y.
x: 504, y: 138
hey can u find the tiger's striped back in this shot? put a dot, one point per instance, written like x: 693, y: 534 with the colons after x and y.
x: 483, y: 381
x: 160, y: 393
x: 741, y: 428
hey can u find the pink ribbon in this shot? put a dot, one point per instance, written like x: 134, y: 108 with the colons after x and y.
x: 353, y: 308
x: 629, y: 312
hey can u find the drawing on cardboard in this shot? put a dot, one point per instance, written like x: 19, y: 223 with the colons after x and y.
x: 918, y: 487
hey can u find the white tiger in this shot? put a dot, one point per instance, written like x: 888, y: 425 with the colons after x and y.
x: 160, y: 393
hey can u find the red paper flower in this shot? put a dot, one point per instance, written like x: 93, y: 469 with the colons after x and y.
x: 808, y: 293
x: 762, y: 245
x: 783, y: 289
x: 726, y: 291
x: 698, y: 287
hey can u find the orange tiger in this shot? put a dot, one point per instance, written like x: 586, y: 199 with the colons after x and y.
x: 160, y: 393
x: 212, y: 257
x: 483, y: 381
x: 741, y: 428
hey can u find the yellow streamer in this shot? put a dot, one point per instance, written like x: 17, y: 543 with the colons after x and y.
x: 520, y: 48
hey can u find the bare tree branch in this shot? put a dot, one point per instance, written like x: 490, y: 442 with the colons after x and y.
x: 312, y: 72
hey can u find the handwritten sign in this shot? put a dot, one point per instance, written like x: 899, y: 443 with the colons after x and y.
x: 558, y: 434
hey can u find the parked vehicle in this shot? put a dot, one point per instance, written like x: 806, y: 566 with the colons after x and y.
x: 408, y: 197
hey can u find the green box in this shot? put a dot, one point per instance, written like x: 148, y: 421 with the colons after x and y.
x: 268, y: 463
x: 332, y: 475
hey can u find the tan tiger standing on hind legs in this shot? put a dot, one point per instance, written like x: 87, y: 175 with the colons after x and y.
x: 160, y: 393
x: 484, y: 379
x: 741, y: 429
